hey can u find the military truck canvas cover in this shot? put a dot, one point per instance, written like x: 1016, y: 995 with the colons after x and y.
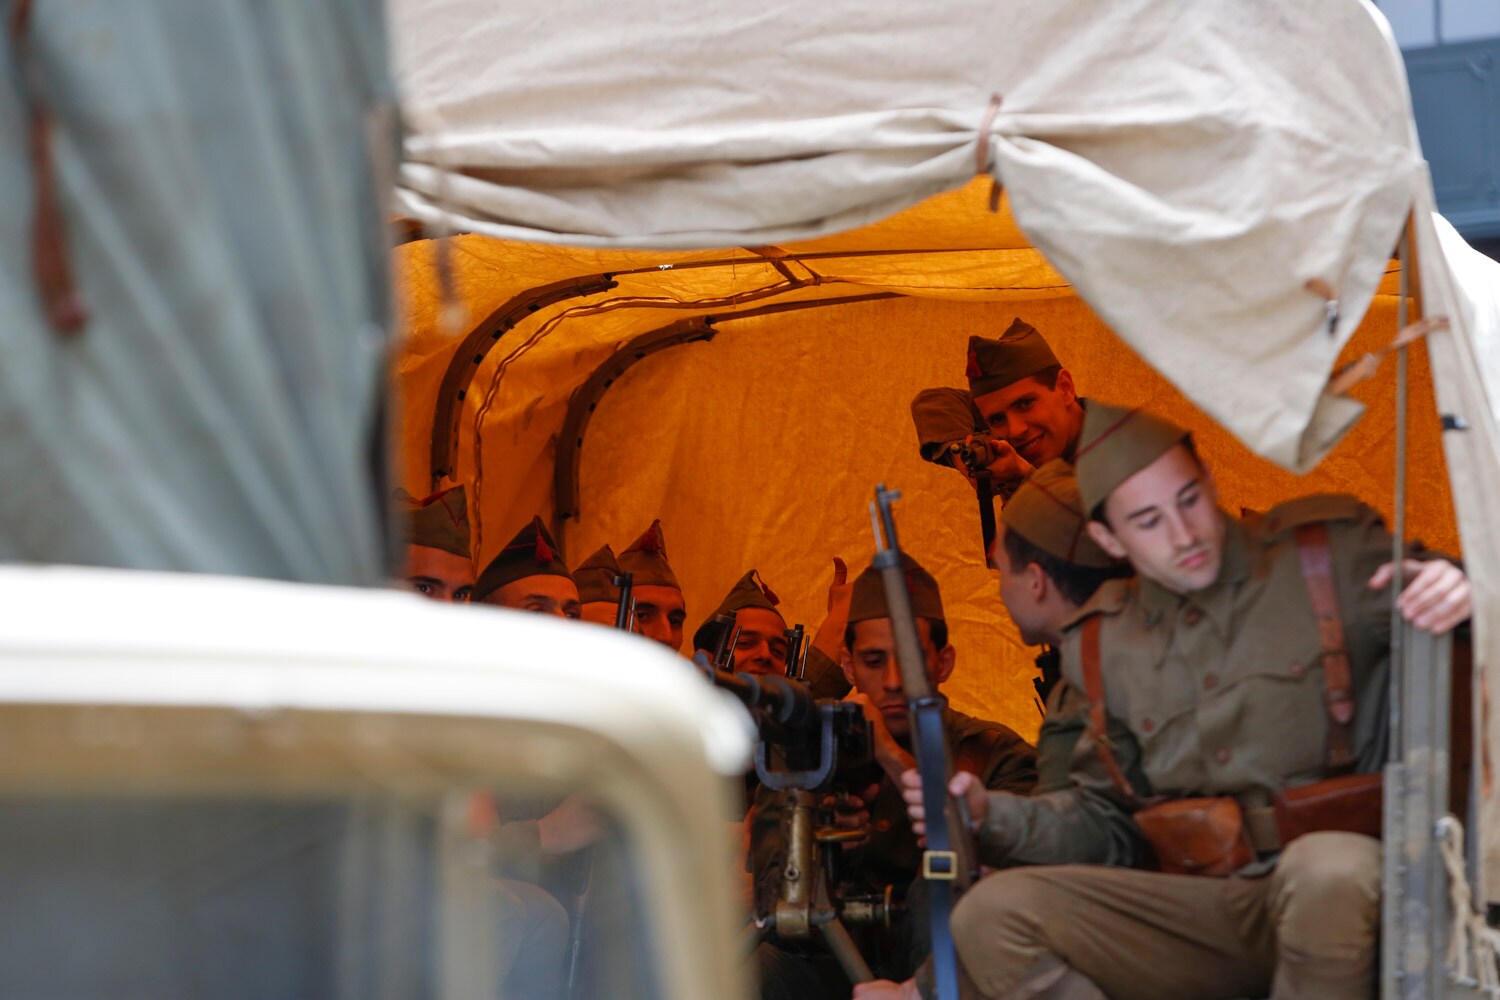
x: 1184, y: 189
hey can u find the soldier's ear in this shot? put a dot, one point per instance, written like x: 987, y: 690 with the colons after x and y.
x: 1036, y: 581
x: 1065, y: 385
x: 1105, y: 539
x: 846, y: 664
x: 947, y: 658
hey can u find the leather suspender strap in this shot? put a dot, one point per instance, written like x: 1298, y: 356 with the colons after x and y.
x: 1338, y: 685
x: 1093, y: 687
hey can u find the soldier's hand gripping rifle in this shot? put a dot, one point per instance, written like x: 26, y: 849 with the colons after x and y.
x: 804, y: 742
x: 625, y: 621
x: 948, y: 864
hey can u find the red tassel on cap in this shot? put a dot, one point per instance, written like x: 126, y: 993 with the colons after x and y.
x: 973, y: 370
x: 652, y: 541
x: 544, y: 553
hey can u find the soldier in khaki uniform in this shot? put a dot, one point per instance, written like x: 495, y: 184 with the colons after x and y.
x: 660, y: 610
x: 436, y: 532
x: 529, y: 575
x: 598, y: 597
x: 1242, y: 670
x: 1020, y: 392
x: 1049, y: 568
x: 996, y: 755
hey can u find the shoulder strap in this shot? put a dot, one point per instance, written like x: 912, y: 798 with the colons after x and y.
x: 1093, y: 686
x: 1338, y: 687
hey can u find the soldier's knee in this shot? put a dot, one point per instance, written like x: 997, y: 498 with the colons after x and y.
x: 1005, y: 904
x: 1329, y: 893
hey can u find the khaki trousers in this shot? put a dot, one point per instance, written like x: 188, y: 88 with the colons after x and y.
x: 1147, y: 936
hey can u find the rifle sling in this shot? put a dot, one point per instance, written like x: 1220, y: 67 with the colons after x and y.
x: 939, y: 865
x: 1093, y: 687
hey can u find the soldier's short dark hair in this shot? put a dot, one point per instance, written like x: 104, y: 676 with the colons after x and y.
x: 1076, y: 583
x: 936, y: 627
x: 1048, y: 376
x: 1097, y: 514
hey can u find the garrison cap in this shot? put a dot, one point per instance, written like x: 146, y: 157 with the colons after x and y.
x: 646, y: 560
x: 749, y: 592
x: 1048, y: 512
x: 531, y: 553
x: 439, y: 521
x: 595, y: 577
x: 995, y: 364
x: 943, y: 416
x: 1116, y: 444
x: 868, y: 599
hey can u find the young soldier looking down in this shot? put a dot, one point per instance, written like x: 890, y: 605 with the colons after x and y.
x: 1233, y: 707
x: 436, y: 531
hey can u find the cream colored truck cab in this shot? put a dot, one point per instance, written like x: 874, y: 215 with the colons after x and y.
x: 234, y: 788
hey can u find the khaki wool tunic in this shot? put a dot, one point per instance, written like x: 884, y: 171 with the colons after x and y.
x: 1218, y: 692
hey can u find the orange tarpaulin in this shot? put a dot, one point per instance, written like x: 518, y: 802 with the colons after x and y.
x: 751, y: 398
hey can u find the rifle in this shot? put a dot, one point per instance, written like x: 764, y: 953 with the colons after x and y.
x: 625, y: 608
x: 797, y: 648
x: 728, y: 637
x: 625, y: 621
x: 814, y: 739
x: 948, y: 864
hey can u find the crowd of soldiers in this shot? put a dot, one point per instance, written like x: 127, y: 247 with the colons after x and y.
x: 1199, y: 817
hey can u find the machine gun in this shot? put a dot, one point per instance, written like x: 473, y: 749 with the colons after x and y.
x: 948, y: 864
x: 804, y: 744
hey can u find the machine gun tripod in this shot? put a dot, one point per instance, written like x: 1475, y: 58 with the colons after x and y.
x: 804, y: 743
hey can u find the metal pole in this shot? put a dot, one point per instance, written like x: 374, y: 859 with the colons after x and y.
x: 1392, y: 924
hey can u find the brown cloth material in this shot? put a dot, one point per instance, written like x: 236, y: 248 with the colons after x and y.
x: 531, y: 553
x: 595, y: 577
x: 942, y: 416
x: 1116, y: 444
x: 646, y: 560
x: 1309, y: 926
x: 439, y: 521
x: 994, y: 364
x: 868, y: 599
x: 748, y: 592
x: 1048, y: 512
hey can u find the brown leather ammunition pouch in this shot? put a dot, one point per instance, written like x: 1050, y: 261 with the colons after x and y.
x: 1204, y: 836
x: 1349, y: 804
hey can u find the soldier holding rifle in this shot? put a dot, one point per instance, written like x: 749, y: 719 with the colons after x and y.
x: 996, y: 756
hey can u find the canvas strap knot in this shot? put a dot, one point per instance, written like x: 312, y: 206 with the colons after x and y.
x: 982, y: 150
